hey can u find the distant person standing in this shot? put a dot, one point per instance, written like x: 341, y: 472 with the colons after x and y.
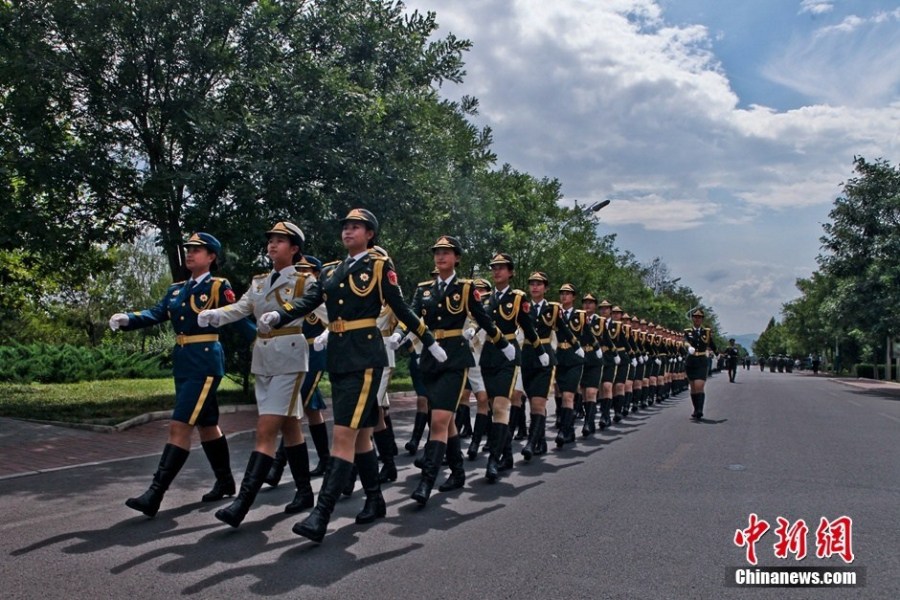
x: 731, y: 358
x: 816, y: 363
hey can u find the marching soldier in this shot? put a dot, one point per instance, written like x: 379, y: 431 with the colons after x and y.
x: 444, y: 304
x: 353, y: 293
x: 313, y: 403
x: 198, y: 365
x: 569, y: 358
x: 619, y: 335
x: 611, y: 362
x: 279, y: 367
x: 700, y: 341
x: 475, y: 377
x: 593, y: 361
x: 510, y: 310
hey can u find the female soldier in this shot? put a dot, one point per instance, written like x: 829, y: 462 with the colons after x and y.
x: 280, y: 361
x: 353, y: 293
x: 198, y: 364
x: 700, y: 341
x: 444, y: 304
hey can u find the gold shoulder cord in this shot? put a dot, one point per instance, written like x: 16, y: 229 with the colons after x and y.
x: 212, y: 301
x: 463, y: 303
x: 362, y: 292
x: 298, y: 289
x: 509, y: 316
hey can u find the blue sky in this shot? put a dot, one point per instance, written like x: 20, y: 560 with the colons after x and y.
x: 722, y: 129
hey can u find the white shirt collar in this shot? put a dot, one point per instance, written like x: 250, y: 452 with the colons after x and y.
x: 447, y: 281
x: 201, y: 278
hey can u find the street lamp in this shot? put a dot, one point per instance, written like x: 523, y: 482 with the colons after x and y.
x: 596, y: 206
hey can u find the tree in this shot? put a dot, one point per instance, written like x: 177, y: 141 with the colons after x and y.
x: 221, y: 115
x: 861, y: 245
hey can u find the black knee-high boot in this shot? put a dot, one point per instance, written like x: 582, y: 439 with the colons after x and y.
x: 579, y: 406
x: 171, y: 461
x: 319, y: 435
x: 374, y: 508
x: 385, y: 455
x: 389, y: 424
x: 590, y: 414
x: 521, y: 424
x: 629, y: 399
x: 298, y: 460
x: 257, y: 469
x: 506, y: 456
x: 701, y: 400
x: 464, y: 420
x: 514, y: 412
x: 337, y: 471
x: 434, y: 456
x: 217, y: 454
x: 535, y: 429
x: 481, y: 425
x: 618, y: 403
x: 605, y: 406
x: 499, y: 433
x: 457, y: 477
x: 277, y: 470
x: 695, y: 403
x: 412, y: 446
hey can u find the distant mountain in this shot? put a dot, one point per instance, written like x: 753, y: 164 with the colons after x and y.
x: 745, y: 339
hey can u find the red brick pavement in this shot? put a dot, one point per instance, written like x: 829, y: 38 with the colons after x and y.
x: 28, y: 447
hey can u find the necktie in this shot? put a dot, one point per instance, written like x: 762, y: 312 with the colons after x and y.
x: 442, y: 287
x: 190, y: 285
x: 274, y: 278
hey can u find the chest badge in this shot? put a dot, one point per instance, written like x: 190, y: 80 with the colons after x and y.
x: 176, y: 292
x: 426, y: 293
x: 203, y: 297
x: 364, y: 277
x: 456, y: 297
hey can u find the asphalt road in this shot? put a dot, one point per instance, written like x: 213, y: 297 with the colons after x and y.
x: 648, y: 510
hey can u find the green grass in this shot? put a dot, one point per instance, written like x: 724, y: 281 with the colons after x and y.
x: 113, y: 401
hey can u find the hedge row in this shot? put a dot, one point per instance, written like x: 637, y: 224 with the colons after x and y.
x: 46, y: 363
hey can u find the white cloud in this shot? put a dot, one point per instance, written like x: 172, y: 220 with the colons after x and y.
x: 816, y: 7
x: 855, y: 62
x: 614, y: 101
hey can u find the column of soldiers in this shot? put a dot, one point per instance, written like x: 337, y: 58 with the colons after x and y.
x: 348, y: 317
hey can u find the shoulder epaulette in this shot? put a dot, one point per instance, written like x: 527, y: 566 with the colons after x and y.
x: 378, y: 257
x: 260, y: 276
x: 552, y: 303
x: 182, y: 282
x: 518, y: 292
x: 464, y: 281
x: 331, y: 264
x: 424, y: 283
x: 222, y: 279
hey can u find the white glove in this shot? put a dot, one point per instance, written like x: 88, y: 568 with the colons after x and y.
x: 393, y: 342
x: 208, y: 318
x: 545, y: 359
x: 617, y: 359
x: 646, y: 357
x: 320, y: 341
x: 633, y: 362
x: 118, y: 320
x: 469, y: 333
x: 679, y: 359
x: 437, y: 352
x: 599, y: 353
x: 579, y: 352
x: 509, y: 351
x: 267, y: 320
x: 691, y: 349
x: 657, y: 361
x: 640, y: 359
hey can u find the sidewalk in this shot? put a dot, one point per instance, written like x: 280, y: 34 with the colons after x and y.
x: 891, y: 388
x: 29, y: 447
